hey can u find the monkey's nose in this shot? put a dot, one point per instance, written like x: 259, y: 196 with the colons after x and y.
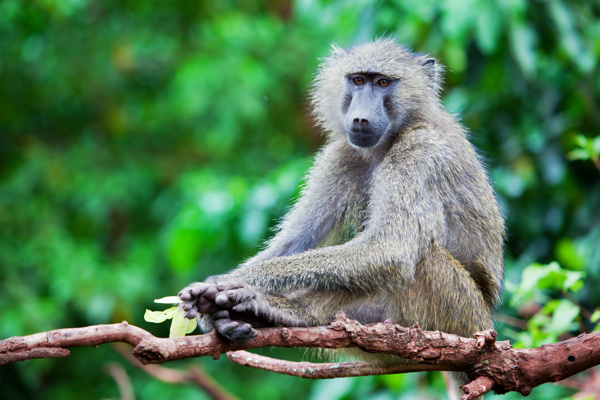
x: 360, y: 122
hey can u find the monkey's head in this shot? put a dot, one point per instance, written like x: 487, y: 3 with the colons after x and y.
x: 373, y: 91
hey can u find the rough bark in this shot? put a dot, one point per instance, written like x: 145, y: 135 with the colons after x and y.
x: 491, y: 365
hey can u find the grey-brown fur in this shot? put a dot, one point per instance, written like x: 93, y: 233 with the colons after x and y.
x: 412, y: 229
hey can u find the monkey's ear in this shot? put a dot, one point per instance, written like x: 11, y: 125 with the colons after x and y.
x: 434, y: 71
x: 430, y: 68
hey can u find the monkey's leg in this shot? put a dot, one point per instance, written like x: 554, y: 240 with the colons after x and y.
x: 444, y: 297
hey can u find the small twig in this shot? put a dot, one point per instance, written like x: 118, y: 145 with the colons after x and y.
x: 596, y: 162
x: 450, y: 390
x: 123, y: 382
x: 194, y: 375
x: 480, y: 386
x: 323, y: 370
x: 512, y: 321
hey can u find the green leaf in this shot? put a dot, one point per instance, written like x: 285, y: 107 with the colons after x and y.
x: 571, y: 254
x: 180, y: 325
x: 158, y: 317
x: 563, y: 316
x: 536, y: 277
x: 586, y: 148
x: 595, y: 316
x: 580, y: 140
x: 578, y: 154
x: 596, y: 145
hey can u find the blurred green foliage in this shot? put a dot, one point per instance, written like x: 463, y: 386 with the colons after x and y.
x: 144, y: 145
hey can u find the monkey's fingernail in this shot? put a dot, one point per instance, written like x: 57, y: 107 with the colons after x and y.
x: 221, y: 300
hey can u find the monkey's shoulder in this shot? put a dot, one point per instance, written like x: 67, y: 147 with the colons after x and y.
x: 436, y: 147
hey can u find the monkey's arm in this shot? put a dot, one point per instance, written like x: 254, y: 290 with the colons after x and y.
x: 403, y: 216
x: 306, y: 288
x: 309, y: 287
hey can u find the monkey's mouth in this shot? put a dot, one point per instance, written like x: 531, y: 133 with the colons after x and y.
x: 363, y: 137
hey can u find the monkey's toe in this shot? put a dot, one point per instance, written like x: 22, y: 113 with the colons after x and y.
x: 234, y: 330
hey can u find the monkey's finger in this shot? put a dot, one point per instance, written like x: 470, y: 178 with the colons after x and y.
x: 210, y: 292
x: 206, y: 307
x: 222, y: 300
x: 230, y: 284
x: 194, y: 290
x: 191, y: 314
x: 241, y: 295
x: 190, y: 310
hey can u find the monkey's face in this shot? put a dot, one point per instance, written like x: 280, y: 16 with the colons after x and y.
x: 367, y: 108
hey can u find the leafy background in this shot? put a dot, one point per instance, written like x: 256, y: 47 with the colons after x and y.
x: 144, y: 145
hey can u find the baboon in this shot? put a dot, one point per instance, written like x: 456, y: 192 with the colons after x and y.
x: 397, y: 220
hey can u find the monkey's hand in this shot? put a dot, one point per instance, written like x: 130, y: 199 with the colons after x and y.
x: 239, y: 316
x: 236, y: 324
x: 238, y: 296
x: 199, y: 298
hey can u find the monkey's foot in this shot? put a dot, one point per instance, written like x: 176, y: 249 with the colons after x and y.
x: 234, y: 330
x: 199, y: 297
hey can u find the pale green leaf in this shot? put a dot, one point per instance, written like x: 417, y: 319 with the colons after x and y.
x: 180, y: 325
x: 595, y: 316
x: 578, y: 154
x: 192, y: 324
x: 158, y: 317
x: 580, y: 140
x: 563, y: 317
x: 536, y: 277
x: 168, y: 300
x: 596, y: 145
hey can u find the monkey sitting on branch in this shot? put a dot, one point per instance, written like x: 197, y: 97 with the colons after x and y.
x: 397, y: 221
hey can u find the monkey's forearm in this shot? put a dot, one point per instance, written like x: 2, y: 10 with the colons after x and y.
x: 351, y: 266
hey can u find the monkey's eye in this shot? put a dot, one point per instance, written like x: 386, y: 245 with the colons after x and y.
x: 357, y: 80
x: 383, y: 82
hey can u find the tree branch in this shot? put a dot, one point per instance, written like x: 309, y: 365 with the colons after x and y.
x: 491, y: 365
